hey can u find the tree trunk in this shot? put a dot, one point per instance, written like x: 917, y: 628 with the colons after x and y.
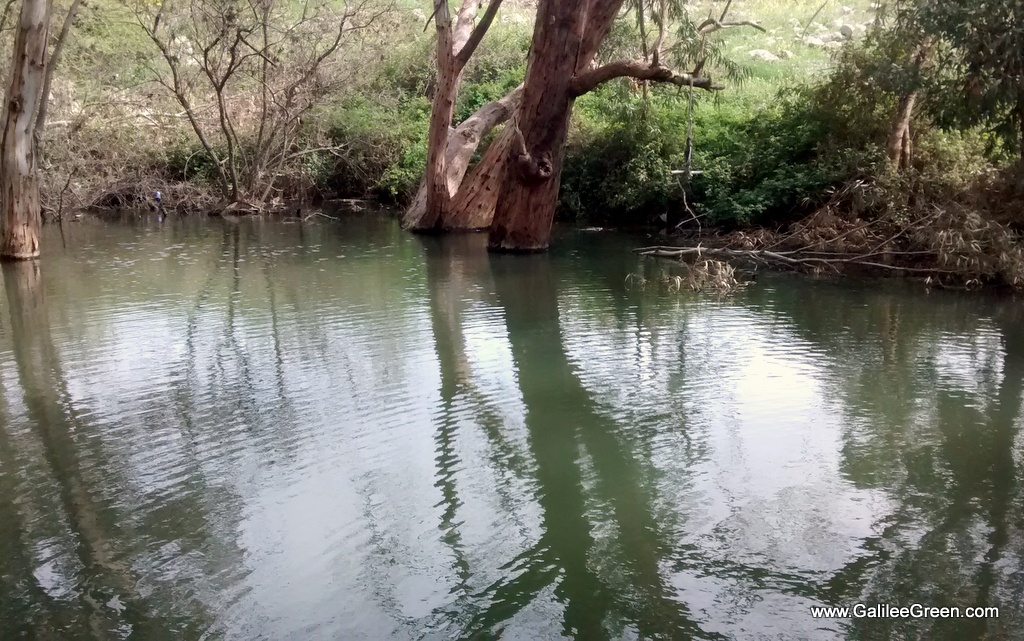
x: 44, y: 96
x: 455, y: 46
x: 19, y: 183
x: 899, y: 143
x: 461, y: 145
x: 474, y: 204
x: 899, y: 146
x: 529, y: 189
x: 449, y: 74
x: 1020, y: 122
x: 473, y: 207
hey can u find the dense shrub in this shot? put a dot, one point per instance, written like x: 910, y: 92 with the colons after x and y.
x: 759, y: 165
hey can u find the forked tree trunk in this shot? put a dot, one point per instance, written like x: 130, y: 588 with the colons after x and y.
x: 515, y: 186
x: 44, y: 96
x: 455, y: 46
x: 19, y: 183
x: 899, y: 146
x: 462, y: 143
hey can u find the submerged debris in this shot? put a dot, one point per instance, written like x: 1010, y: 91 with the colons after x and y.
x: 705, y: 275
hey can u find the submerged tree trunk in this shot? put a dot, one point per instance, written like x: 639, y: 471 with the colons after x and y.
x: 529, y: 189
x: 567, y: 35
x: 461, y: 145
x: 449, y: 76
x: 19, y: 181
x: 515, y: 186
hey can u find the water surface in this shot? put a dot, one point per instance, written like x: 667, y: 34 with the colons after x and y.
x: 267, y: 430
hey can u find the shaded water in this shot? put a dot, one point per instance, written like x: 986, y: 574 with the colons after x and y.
x: 272, y: 431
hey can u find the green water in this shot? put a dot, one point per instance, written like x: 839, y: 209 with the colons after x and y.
x: 264, y: 430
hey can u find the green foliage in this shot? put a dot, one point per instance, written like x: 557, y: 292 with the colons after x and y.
x: 981, y: 60
x: 767, y: 167
x: 760, y: 166
x: 618, y: 164
x: 383, y: 145
x: 187, y: 161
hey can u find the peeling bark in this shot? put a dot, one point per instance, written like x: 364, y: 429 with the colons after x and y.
x: 474, y: 204
x: 515, y: 186
x: 461, y: 145
x: 473, y: 207
x: 19, y: 181
x: 449, y: 76
x: 532, y: 176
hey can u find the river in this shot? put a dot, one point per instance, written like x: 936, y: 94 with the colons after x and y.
x: 272, y: 430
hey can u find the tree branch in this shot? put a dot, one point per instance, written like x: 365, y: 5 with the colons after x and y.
x: 44, y: 97
x: 660, y: 40
x: 478, y: 33
x: 711, y: 25
x: 592, y: 79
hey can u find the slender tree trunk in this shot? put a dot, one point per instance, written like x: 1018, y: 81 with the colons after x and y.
x: 899, y: 146
x: 19, y: 181
x: 899, y: 143
x: 449, y: 76
x: 1020, y: 121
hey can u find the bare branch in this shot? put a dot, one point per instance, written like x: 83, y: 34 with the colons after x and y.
x: 660, y: 40
x: 711, y: 25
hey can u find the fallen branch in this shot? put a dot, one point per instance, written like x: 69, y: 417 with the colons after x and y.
x: 793, y: 258
x: 318, y: 213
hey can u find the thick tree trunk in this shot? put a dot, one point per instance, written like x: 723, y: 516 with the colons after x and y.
x: 19, y: 184
x: 529, y: 190
x: 474, y: 204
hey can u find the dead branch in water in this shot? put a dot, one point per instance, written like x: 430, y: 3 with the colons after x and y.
x: 797, y: 259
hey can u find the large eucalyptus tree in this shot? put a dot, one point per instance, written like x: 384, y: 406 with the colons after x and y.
x: 513, y: 189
